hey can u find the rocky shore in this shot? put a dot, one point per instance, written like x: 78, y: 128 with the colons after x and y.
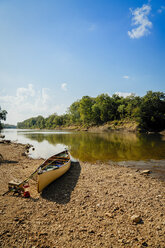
x: 92, y: 205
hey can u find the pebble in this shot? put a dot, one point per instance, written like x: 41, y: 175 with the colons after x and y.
x: 145, y: 172
x: 23, y: 154
x: 16, y: 218
x: 136, y: 218
x: 95, y: 215
x: 109, y: 215
x: 144, y: 244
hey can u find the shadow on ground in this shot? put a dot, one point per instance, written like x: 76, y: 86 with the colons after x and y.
x: 8, y: 162
x: 60, y: 190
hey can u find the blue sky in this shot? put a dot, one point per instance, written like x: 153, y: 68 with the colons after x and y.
x: 56, y: 51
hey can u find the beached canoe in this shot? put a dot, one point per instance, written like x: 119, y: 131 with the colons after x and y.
x: 53, y: 168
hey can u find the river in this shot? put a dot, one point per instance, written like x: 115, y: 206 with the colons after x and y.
x: 142, y: 151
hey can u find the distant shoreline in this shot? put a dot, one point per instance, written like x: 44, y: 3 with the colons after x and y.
x: 125, y: 126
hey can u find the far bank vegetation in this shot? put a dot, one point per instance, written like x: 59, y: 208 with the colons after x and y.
x: 148, y: 112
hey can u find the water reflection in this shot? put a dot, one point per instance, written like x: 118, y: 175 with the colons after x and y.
x: 104, y: 146
x: 140, y: 151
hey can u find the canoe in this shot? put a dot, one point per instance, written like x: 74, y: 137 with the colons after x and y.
x: 53, y: 168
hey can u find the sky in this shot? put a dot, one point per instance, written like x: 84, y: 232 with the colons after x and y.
x: 53, y: 52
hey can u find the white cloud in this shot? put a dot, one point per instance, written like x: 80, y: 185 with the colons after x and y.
x: 123, y: 94
x: 162, y: 8
x: 28, y: 102
x: 126, y: 77
x: 140, y: 19
x: 64, y: 86
x: 25, y: 92
x: 45, y: 95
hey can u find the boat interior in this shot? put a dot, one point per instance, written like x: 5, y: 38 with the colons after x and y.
x: 56, y: 163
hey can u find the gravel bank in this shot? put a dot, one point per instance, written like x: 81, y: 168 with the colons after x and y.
x: 92, y: 205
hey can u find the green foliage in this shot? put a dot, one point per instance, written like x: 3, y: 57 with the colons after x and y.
x: 148, y: 111
x: 3, y: 114
x: 74, y: 113
x: 152, y: 111
x: 104, y: 103
x: 85, y: 108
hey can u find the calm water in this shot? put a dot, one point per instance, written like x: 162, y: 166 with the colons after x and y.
x: 140, y: 150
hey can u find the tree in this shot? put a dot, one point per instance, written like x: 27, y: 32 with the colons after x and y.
x: 96, y: 113
x: 104, y: 104
x: 40, y: 122
x: 133, y: 105
x: 116, y: 101
x: 148, y: 111
x: 50, y: 121
x: 3, y: 114
x: 121, y: 110
x: 74, y: 113
x: 85, y: 109
x: 152, y: 111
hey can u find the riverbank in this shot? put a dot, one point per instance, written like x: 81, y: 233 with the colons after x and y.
x: 112, y: 126
x: 92, y: 205
x: 125, y: 126
x: 117, y: 125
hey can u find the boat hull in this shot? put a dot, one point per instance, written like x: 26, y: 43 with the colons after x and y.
x: 48, y: 177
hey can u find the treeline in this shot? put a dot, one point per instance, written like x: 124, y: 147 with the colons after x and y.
x: 148, y: 111
x: 8, y: 126
x: 3, y: 114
